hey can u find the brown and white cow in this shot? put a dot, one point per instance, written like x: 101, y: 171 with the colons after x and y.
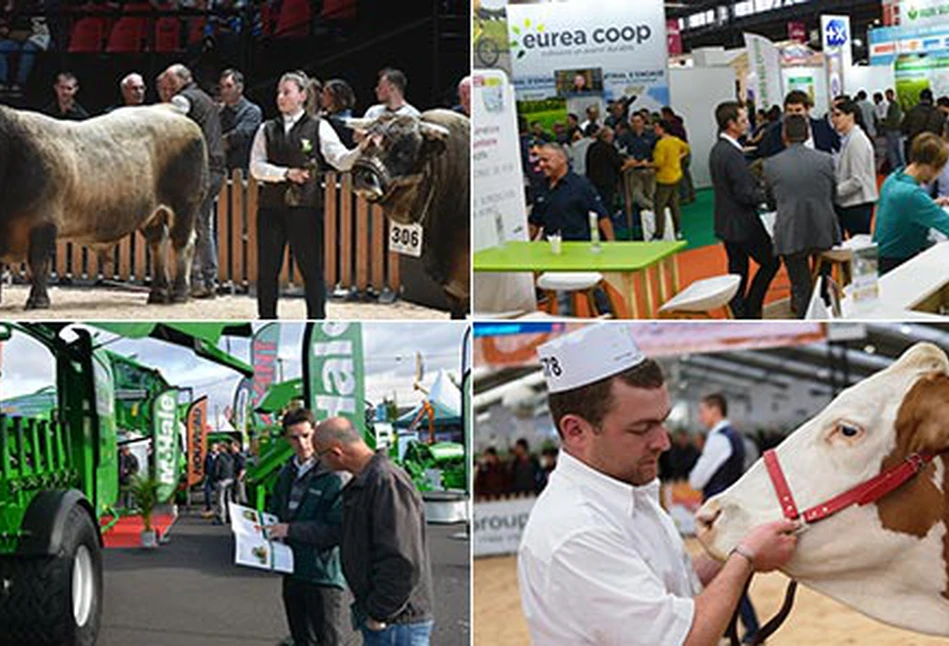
x: 94, y: 182
x: 418, y: 170
x: 888, y: 559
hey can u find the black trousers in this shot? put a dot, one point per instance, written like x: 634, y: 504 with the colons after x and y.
x: 748, y: 305
x: 314, y: 612
x: 302, y: 227
x: 799, y: 272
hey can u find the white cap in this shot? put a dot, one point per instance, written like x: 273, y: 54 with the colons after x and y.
x: 593, y: 353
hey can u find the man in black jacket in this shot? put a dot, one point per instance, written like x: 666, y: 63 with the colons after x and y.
x: 223, y: 480
x: 737, y: 224
x: 922, y: 117
x: 384, y: 546
x: 823, y: 136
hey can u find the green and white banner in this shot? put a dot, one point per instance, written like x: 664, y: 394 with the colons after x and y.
x: 166, y: 442
x: 333, y: 372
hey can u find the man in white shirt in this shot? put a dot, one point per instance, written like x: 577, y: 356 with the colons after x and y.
x: 390, y: 91
x: 720, y: 466
x: 600, y: 561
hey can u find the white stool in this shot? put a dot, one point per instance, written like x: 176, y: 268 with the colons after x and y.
x: 702, y: 297
x: 581, y: 286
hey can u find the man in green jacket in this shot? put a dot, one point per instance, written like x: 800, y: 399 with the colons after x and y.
x: 307, y: 501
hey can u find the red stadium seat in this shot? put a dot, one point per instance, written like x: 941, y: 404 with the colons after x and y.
x: 129, y: 32
x: 294, y: 19
x: 168, y: 34
x: 196, y: 30
x: 87, y: 35
x: 266, y: 18
x: 338, y: 10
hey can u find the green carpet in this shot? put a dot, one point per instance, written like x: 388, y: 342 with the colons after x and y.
x: 698, y: 220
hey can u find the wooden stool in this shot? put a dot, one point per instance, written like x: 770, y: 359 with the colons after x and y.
x: 840, y: 261
x: 702, y: 297
x: 582, y: 287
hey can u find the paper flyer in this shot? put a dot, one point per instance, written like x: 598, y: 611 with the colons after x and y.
x: 251, y: 547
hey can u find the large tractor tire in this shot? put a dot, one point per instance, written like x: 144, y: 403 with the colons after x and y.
x: 54, y: 600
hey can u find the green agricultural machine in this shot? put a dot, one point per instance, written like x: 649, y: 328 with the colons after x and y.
x: 59, y: 474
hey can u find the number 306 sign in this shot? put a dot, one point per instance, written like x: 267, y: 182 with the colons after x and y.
x: 405, y: 239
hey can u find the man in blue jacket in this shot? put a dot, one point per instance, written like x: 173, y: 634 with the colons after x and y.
x: 307, y: 501
x: 823, y: 136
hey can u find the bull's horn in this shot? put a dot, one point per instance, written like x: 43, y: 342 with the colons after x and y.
x: 358, y: 123
x: 433, y: 131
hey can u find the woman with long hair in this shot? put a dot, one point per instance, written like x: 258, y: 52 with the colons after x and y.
x: 288, y: 156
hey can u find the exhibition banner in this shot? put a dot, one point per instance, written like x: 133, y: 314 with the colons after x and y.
x: 565, y: 49
x: 166, y: 442
x: 499, y: 209
x: 889, y: 42
x: 263, y: 356
x: 916, y: 73
x: 922, y: 12
x: 196, y: 427
x: 765, y: 70
x: 333, y: 372
x: 498, y: 525
x: 838, y: 56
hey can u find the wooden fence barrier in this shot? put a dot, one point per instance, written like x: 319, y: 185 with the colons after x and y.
x: 355, y: 247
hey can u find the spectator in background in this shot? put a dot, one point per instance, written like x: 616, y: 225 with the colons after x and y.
x: 133, y: 89
x: 338, y: 100
x: 548, y: 462
x: 65, y: 105
x: 880, y: 106
x: 677, y: 129
x: 491, y: 476
x: 128, y: 468
x: 667, y: 159
x: 538, y: 133
x: 720, y: 466
x: 593, y: 118
x: 922, y: 117
x: 942, y: 104
x: 178, y: 83
x: 891, y: 129
x: 524, y: 469
x: 868, y: 113
x: 239, y: 120
x: 223, y: 483
x: 855, y: 170
x: 801, y: 187
x: 605, y: 166
x: 239, y: 490
x: 577, y: 151
x: 617, y: 114
x: 905, y: 212
x: 464, y: 97
x: 565, y: 206
x: 209, y: 459
x: 573, y: 127
x: 24, y: 32
x: 390, y: 91
x: 560, y: 134
x: 640, y: 179
x: 384, y: 543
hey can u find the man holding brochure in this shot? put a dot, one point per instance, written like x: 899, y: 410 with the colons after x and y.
x: 307, y: 501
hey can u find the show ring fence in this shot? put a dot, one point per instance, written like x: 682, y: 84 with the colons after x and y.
x: 354, y: 245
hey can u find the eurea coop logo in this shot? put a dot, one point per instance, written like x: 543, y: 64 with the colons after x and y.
x: 529, y: 36
x: 523, y: 34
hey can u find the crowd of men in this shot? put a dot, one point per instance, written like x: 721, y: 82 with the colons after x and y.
x: 819, y: 175
x: 225, y: 469
x: 521, y: 474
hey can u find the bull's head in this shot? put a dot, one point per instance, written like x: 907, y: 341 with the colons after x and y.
x: 887, y: 559
x: 391, y: 170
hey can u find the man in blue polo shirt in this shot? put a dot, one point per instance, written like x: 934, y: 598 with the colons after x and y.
x: 638, y: 144
x: 566, y: 205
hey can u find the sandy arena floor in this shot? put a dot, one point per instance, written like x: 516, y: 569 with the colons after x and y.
x: 815, y: 620
x: 85, y: 304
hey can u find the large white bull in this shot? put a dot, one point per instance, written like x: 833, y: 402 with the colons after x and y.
x: 889, y: 558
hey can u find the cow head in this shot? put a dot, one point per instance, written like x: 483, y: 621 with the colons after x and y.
x: 887, y: 559
x: 392, y: 168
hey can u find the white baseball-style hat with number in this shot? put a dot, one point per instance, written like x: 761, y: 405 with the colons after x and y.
x: 587, y: 355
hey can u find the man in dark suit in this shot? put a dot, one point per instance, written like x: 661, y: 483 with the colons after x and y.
x: 737, y: 224
x: 823, y: 136
x: 801, y: 185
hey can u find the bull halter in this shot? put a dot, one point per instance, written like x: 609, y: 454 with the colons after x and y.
x: 864, y: 493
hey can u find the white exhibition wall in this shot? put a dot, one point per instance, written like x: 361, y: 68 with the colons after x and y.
x: 872, y: 78
x: 695, y: 92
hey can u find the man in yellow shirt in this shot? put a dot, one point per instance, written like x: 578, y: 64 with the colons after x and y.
x: 667, y: 159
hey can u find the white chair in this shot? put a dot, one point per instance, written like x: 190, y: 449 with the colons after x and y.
x: 581, y: 286
x: 702, y: 297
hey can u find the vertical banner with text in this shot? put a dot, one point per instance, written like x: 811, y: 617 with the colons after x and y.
x: 263, y: 357
x: 165, y: 442
x: 838, y: 56
x: 333, y: 374
x: 197, y: 429
x: 764, y: 63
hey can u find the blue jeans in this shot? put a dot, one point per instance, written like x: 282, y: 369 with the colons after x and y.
x: 894, y: 149
x: 399, y: 635
x: 27, y: 51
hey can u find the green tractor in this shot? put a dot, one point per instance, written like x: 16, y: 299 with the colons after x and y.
x: 59, y: 481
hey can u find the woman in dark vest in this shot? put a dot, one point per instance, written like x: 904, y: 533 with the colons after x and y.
x: 287, y: 157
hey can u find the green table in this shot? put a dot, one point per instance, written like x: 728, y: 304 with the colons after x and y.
x: 632, y: 260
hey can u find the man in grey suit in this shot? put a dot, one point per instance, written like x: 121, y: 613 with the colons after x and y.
x: 737, y: 224
x: 801, y: 184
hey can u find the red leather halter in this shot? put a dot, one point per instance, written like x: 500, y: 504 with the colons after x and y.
x: 863, y: 494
